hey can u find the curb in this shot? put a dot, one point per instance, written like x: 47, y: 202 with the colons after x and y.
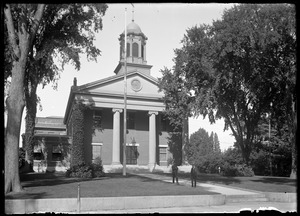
x: 281, y: 197
x: 26, y: 206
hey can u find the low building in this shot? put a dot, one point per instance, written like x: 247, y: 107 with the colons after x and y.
x: 51, y: 151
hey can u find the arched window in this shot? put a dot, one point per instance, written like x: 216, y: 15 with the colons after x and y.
x: 135, y: 50
x: 128, y: 49
x: 142, y: 51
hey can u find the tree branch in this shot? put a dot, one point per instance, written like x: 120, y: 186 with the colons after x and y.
x: 11, y: 33
x: 36, y: 21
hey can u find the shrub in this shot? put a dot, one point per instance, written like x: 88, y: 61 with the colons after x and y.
x: 80, y: 171
x: 209, y: 163
x: 97, y: 168
x: 86, y: 171
x: 236, y: 170
x: 228, y: 170
x: 244, y: 170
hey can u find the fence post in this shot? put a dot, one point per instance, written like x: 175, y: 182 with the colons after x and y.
x: 78, y: 199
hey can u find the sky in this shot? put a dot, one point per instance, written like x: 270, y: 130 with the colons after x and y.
x: 164, y: 25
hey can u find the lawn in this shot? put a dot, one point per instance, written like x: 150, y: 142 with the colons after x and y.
x: 55, y: 185
x: 258, y: 183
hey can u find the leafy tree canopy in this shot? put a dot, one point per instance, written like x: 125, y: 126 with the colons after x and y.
x: 236, y: 69
x: 66, y: 31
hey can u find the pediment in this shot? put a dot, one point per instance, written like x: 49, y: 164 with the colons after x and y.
x: 138, y: 84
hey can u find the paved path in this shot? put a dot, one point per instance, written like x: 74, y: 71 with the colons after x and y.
x: 209, y: 187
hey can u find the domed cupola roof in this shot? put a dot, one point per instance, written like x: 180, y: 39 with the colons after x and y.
x: 133, y: 28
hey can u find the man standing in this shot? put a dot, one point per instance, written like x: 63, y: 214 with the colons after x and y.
x: 175, y: 172
x: 193, y: 176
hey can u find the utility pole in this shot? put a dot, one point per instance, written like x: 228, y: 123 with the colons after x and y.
x: 270, y: 144
x: 125, y: 96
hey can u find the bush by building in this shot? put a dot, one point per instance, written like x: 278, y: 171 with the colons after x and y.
x: 83, y: 170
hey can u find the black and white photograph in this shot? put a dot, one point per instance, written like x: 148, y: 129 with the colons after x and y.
x: 125, y: 108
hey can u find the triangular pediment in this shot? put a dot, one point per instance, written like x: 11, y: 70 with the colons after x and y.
x: 138, y: 84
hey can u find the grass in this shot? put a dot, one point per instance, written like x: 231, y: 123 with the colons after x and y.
x: 258, y: 183
x: 56, y: 185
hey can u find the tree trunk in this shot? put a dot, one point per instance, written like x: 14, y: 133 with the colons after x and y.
x: 20, y: 41
x: 15, y: 106
x: 31, y: 100
x: 293, y: 128
x: 293, y: 174
x: 185, y: 139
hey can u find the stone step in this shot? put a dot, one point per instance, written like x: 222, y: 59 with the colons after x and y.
x: 246, y: 198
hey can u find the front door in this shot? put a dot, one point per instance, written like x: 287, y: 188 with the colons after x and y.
x: 131, y: 155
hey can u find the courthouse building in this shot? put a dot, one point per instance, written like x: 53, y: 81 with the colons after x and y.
x: 147, y: 143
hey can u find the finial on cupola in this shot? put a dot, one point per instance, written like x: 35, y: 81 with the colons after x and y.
x: 132, y: 12
x: 75, y: 82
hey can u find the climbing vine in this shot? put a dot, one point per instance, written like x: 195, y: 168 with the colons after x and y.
x: 77, y: 148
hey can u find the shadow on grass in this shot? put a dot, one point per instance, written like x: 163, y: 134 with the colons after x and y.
x: 52, y: 179
x: 146, y: 179
x: 286, y: 181
x: 26, y: 195
x: 206, y: 178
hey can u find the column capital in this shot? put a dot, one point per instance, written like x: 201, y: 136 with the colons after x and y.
x: 117, y: 110
x: 152, y: 112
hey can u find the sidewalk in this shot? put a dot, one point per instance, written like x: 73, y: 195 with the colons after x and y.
x: 209, y: 187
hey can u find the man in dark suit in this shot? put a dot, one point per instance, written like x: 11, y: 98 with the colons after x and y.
x: 175, y: 172
x: 194, y: 176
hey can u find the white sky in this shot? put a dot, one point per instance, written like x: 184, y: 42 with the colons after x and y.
x: 164, y: 25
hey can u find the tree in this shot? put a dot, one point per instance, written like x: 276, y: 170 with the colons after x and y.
x: 272, y: 152
x: 236, y: 68
x: 33, y: 47
x: 177, y: 101
x: 199, y: 146
x: 55, y: 41
x: 216, y: 146
x: 200, y: 152
x: 21, y: 30
x: 211, y: 142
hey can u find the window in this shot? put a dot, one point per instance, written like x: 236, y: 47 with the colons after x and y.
x: 128, y: 49
x: 131, y: 120
x: 97, y: 119
x: 162, y: 154
x: 56, y: 153
x: 96, y: 150
x: 37, y: 153
x: 38, y: 156
x: 135, y: 50
x: 142, y: 51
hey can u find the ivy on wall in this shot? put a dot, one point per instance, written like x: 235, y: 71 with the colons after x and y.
x: 77, y: 148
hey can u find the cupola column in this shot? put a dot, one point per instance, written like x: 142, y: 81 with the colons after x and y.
x: 144, y: 53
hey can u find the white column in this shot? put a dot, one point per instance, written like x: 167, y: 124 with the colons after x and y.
x: 152, y: 139
x: 116, y: 137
